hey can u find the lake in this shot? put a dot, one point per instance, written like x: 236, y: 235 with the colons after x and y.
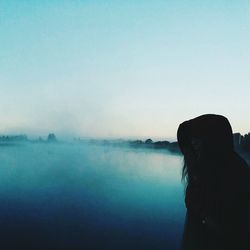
x: 87, y: 196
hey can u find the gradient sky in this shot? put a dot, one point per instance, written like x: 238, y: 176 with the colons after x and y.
x: 122, y: 68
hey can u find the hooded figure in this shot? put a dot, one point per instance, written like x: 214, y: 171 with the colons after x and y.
x: 217, y: 180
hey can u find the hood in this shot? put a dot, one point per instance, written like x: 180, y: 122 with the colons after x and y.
x: 214, y: 130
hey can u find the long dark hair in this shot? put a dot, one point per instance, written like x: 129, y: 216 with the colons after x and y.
x: 216, y: 151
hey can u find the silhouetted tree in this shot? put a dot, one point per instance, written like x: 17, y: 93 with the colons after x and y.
x: 148, y: 141
x: 51, y: 138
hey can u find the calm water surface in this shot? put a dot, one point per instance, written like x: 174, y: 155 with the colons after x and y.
x: 85, y: 196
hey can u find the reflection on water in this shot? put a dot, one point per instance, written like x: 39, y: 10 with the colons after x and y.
x: 70, y: 196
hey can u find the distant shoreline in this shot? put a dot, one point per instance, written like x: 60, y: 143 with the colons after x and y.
x: 242, y: 143
x: 173, y: 147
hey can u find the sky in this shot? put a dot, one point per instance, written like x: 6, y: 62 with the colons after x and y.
x: 122, y: 69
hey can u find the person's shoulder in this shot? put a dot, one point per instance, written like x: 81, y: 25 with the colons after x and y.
x: 244, y: 178
x: 240, y: 166
x: 247, y: 174
x: 238, y: 175
x: 245, y: 169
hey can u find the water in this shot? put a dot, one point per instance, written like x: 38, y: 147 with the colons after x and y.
x: 85, y: 196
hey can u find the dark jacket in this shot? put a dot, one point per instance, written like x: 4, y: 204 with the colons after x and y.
x: 218, y: 201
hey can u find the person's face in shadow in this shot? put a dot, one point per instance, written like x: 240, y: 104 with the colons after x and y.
x: 195, y: 158
x: 196, y: 144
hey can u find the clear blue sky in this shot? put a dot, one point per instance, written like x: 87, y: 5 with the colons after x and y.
x: 122, y: 68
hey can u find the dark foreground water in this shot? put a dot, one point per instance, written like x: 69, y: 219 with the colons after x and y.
x: 71, y: 196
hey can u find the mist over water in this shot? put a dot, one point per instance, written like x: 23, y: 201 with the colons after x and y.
x: 85, y: 196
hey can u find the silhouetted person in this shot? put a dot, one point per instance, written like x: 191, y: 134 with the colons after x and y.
x: 217, y: 186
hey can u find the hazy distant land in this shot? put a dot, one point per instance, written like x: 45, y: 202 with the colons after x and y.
x: 242, y: 143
